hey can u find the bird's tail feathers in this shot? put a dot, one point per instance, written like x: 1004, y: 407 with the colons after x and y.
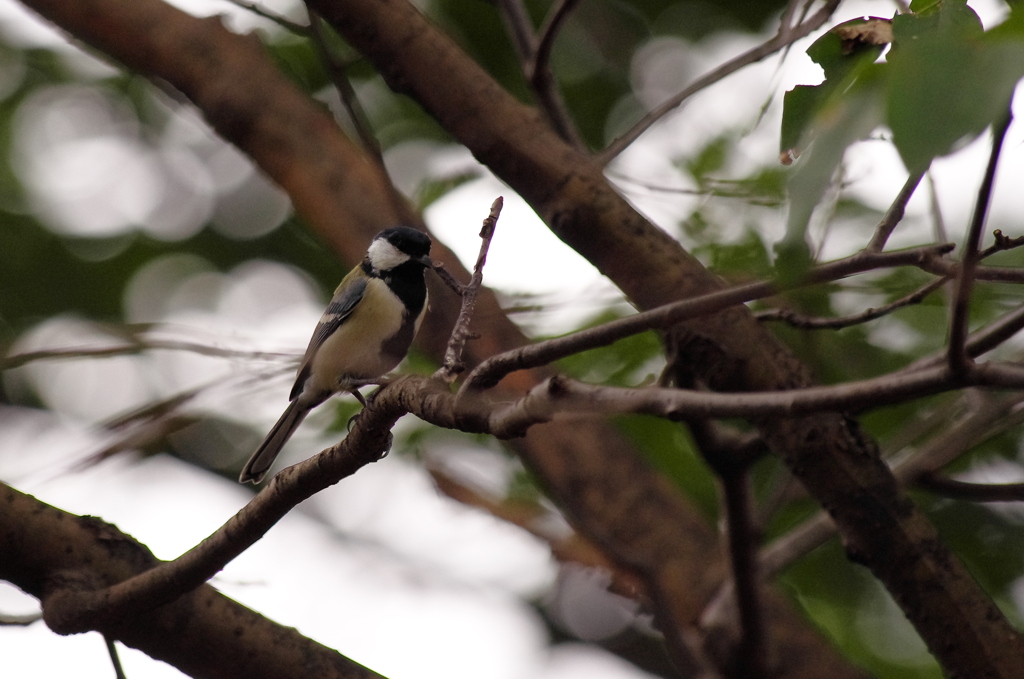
x: 259, y: 464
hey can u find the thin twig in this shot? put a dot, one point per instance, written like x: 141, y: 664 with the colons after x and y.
x: 453, y: 365
x: 996, y: 333
x: 993, y: 274
x: 972, y: 492
x: 524, y: 41
x: 796, y: 544
x: 894, y: 215
x: 938, y: 223
x: 958, y: 358
x: 492, y: 370
x: 785, y: 36
x: 520, y: 29
x: 561, y: 395
x: 287, y: 24
x: 448, y: 279
x: 990, y: 415
x: 338, y: 71
x: 538, y: 68
x: 137, y: 347
x: 115, y: 660
x: 12, y: 620
x: 546, y: 37
x: 944, y: 267
x: 788, y: 14
x: 818, y: 323
x: 928, y: 422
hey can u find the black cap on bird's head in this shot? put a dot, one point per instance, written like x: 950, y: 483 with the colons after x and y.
x: 410, y: 241
x: 396, y: 246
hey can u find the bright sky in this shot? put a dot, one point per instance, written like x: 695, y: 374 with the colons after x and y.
x: 381, y: 562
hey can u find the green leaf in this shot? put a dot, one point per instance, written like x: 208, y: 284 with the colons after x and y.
x: 433, y: 189
x: 709, y: 159
x: 947, y: 82
x: 840, y: 122
x: 843, y: 54
x: 799, y: 106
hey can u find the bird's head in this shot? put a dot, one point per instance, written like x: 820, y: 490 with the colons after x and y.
x: 394, y: 247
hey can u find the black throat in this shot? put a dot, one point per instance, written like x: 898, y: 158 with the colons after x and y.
x: 406, y: 281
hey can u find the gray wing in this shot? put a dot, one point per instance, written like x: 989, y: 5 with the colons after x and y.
x: 336, y: 313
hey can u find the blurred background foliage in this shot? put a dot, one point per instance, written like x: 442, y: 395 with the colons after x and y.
x: 118, y: 207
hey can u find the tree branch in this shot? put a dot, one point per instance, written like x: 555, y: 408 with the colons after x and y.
x: 339, y: 77
x: 539, y: 68
x: 959, y: 317
x: 453, y: 364
x: 287, y: 24
x: 972, y: 492
x: 138, y: 346
x: 786, y: 36
x: 968, y: 431
x: 894, y: 215
x: 524, y: 40
x: 817, y: 323
x: 68, y: 611
x: 743, y: 543
x: 48, y: 553
x: 114, y: 659
x: 831, y: 456
x: 492, y: 370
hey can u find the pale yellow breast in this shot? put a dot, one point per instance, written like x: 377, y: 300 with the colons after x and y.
x: 352, y: 352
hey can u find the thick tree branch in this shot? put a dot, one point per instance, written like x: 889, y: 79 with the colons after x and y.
x: 73, y: 610
x: 80, y: 610
x: 47, y: 553
x: 828, y: 453
x: 988, y: 417
x: 645, y: 525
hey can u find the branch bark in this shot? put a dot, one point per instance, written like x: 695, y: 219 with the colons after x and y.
x: 47, y: 553
x: 838, y: 464
x: 643, y: 522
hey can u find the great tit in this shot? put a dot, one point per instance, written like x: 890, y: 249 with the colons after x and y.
x: 364, y: 333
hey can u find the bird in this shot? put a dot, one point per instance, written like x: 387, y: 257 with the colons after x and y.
x: 364, y: 333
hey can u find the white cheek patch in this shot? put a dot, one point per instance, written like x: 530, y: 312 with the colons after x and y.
x: 385, y: 256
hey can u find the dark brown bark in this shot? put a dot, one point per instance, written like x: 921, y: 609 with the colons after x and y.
x: 342, y: 194
x: 45, y: 552
x: 837, y: 463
